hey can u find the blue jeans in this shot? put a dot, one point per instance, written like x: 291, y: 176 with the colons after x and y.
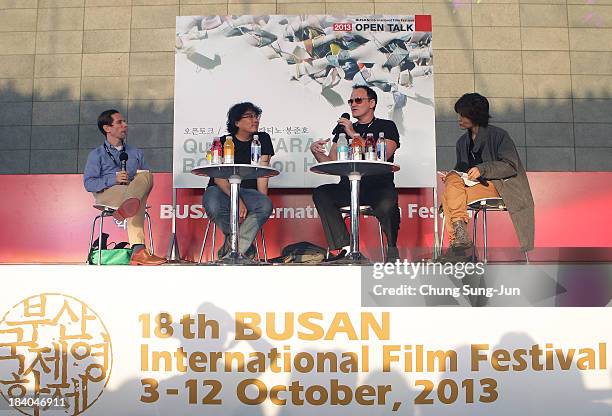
x: 259, y: 207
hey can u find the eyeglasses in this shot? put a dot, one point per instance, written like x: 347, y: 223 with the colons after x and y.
x: 251, y: 116
x: 358, y: 100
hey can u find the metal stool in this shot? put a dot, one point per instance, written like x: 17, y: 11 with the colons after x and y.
x: 212, y: 247
x: 478, y: 206
x: 108, y: 211
x: 365, y: 210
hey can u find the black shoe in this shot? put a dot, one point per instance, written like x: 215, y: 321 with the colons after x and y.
x: 341, y: 254
x: 224, y: 249
x: 251, y: 253
x: 392, y: 254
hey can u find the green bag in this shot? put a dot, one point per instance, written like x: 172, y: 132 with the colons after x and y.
x: 116, y: 256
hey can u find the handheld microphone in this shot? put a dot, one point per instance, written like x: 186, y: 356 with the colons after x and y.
x: 339, y: 127
x: 123, y: 157
x: 464, y: 167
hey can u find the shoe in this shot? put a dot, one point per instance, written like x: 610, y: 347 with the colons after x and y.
x: 455, y: 255
x: 224, y: 249
x: 461, y: 240
x: 341, y: 254
x: 251, y: 253
x: 392, y: 254
x: 127, y: 209
x: 143, y: 258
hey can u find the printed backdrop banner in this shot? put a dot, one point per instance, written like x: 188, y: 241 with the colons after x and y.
x: 300, y: 70
x: 218, y: 341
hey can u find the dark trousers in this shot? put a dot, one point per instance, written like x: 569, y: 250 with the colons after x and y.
x: 331, y: 197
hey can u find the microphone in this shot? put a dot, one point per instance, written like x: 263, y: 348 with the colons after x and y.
x: 464, y: 167
x: 123, y: 157
x: 339, y: 127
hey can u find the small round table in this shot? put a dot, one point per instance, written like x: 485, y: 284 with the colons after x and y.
x: 235, y: 173
x: 355, y: 169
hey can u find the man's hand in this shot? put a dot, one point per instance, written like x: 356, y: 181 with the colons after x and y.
x: 473, y: 174
x: 121, y: 178
x: 348, y: 127
x: 242, y: 210
x: 318, y: 147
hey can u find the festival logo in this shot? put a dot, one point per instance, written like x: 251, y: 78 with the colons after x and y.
x: 55, y: 353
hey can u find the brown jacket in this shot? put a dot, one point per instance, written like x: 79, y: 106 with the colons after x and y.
x: 502, y: 166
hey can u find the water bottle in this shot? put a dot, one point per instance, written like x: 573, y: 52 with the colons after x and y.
x: 370, y: 147
x: 228, y: 150
x: 216, y: 152
x: 255, y: 150
x: 381, y: 148
x: 342, y: 147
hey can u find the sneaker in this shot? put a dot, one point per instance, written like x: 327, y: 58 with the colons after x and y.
x: 341, y: 254
x: 251, y: 253
x: 461, y: 239
x: 224, y: 249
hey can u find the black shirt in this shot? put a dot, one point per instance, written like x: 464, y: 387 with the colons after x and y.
x: 474, y: 158
x: 376, y: 126
x: 242, y: 154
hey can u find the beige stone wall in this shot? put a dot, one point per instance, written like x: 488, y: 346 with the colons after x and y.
x: 546, y: 66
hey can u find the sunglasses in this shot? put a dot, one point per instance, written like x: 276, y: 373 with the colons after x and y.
x: 357, y: 100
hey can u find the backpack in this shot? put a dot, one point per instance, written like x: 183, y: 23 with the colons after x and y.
x: 302, y: 252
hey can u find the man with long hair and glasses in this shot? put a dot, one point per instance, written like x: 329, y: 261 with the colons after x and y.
x: 488, y: 155
x: 126, y: 190
x: 377, y: 191
x: 255, y: 206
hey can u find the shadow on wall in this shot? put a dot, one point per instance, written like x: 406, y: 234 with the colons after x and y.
x: 46, y: 134
x: 54, y: 133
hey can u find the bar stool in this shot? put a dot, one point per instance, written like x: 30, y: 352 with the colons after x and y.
x: 108, y: 211
x: 212, y: 247
x: 367, y: 211
x: 481, y: 205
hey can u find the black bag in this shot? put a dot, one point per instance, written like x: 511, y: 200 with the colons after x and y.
x: 302, y: 252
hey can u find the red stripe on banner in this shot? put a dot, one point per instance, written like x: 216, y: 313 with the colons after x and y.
x: 422, y: 23
x: 48, y: 218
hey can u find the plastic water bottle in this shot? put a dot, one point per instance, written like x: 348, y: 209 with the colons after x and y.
x: 370, y: 147
x: 228, y: 150
x: 255, y: 150
x: 381, y: 148
x: 216, y: 152
x: 357, y: 148
x: 342, y: 147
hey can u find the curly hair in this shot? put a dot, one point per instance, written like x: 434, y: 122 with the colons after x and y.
x: 236, y: 112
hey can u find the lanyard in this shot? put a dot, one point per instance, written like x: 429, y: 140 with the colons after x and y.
x: 108, y: 152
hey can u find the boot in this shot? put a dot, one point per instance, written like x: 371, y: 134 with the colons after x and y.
x: 461, y: 239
